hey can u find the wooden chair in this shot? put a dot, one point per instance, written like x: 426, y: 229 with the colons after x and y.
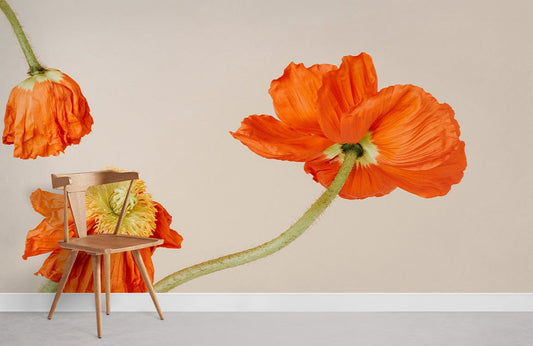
x: 97, y: 245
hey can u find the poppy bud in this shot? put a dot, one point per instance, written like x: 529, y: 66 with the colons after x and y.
x: 44, y: 114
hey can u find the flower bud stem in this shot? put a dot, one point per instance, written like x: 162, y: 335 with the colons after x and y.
x: 268, y: 248
x: 35, y: 67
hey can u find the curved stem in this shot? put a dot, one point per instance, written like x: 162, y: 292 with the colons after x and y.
x: 35, y: 67
x: 268, y: 248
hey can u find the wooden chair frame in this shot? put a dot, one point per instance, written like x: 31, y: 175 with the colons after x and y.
x: 74, y: 186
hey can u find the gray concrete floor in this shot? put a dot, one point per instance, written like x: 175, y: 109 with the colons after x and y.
x: 258, y: 329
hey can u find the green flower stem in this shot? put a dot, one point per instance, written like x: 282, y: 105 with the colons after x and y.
x: 268, y: 248
x: 48, y: 287
x: 35, y: 67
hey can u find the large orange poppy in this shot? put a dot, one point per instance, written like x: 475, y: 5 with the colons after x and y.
x: 44, y: 114
x: 144, y: 218
x: 405, y: 138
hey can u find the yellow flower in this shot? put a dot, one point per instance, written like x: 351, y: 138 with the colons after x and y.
x: 104, y: 203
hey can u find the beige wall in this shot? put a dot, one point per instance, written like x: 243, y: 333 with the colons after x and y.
x: 166, y: 83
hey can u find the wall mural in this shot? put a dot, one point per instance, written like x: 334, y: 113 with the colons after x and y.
x: 355, y: 140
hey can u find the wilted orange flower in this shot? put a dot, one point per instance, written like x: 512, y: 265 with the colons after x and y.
x: 144, y: 217
x: 44, y: 114
x: 403, y: 136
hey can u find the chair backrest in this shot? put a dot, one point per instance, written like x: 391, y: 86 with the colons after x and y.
x: 75, y: 186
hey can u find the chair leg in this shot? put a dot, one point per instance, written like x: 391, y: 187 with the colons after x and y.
x: 97, y: 293
x: 140, y: 264
x: 66, y: 272
x: 107, y: 278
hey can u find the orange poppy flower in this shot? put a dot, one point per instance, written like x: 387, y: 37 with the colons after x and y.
x: 404, y: 137
x: 144, y: 218
x: 44, y: 114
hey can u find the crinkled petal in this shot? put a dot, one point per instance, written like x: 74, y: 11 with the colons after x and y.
x: 45, y: 236
x: 49, y: 205
x: 54, y: 264
x: 436, y: 181
x: 162, y: 229
x: 125, y: 276
x: 364, y: 181
x: 78, y: 121
x: 295, y: 94
x: 413, y: 130
x: 342, y: 90
x: 10, y: 118
x: 81, y: 276
x: 43, y: 239
x: 272, y: 139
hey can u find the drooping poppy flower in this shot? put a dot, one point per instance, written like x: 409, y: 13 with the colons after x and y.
x: 44, y: 114
x: 144, y: 217
x: 405, y: 137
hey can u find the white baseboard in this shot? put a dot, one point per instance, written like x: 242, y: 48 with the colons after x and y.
x: 277, y: 302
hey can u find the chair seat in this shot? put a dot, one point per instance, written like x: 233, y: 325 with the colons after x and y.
x: 109, y: 243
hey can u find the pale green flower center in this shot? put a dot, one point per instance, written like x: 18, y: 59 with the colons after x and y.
x: 368, y: 157
x: 48, y: 75
x: 116, y: 200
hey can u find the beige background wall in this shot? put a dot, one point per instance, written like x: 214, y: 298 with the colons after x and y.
x: 166, y: 81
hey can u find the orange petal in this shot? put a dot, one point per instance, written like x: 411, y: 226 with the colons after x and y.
x: 295, y: 93
x: 436, y: 181
x: 77, y: 121
x: 10, y: 118
x: 272, y: 139
x: 54, y: 265
x: 342, y: 90
x: 45, y: 236
x: 34, y: 132
x: 125, y: 276
x: 162, y: 229
x: 413, y: 131
x: 49, y: 205
x: 42, y: 239
x: 81, y: 276
x: 363, y: 182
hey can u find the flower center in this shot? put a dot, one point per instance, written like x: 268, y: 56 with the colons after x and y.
x: 353, y: 147
x: 365, y: 149
x: 116, y: 200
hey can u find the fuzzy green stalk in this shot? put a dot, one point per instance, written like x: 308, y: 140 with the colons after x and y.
x: 35, y: 67
x: 48, y: 287
x: 276, y: 244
